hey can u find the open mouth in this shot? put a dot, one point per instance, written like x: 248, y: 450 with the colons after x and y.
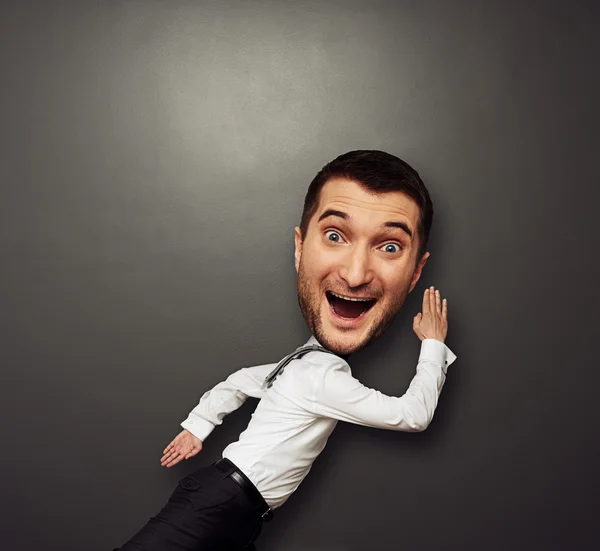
x: 349, y: 307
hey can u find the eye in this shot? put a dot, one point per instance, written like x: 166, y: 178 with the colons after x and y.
x: 392, y: 248
x: 334, y: 236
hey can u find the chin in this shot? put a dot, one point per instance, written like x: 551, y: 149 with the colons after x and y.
x: 345, y: 337
x: 342, y: 348
x: 344, y: 343
x: 342, y: 331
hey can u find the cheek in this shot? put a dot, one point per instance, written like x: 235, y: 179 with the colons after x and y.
x: 394, y: 285
x: 317, y: 262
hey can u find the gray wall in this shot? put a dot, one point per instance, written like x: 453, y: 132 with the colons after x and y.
x: 155, y: 156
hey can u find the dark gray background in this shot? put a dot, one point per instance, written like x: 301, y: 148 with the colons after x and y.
x: 155, y: 156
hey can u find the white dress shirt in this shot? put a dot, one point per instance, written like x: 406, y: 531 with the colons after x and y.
x: 295, y: 417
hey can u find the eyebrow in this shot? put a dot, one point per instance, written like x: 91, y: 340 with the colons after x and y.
x: 400, y: 225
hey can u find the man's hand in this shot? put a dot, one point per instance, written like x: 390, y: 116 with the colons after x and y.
x: 432, y: 323
x: 184, y: 446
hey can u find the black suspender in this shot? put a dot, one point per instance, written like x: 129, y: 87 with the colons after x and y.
x: 296, y: 354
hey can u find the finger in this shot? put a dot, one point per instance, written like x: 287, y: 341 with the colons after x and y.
x: 173, y: 443
x: 168, y: 454
x: 191, y: 453
x: 166, y: 458
x: 173, y: 461
x: 445, y: 309
x: 171, y: 454
x: 417, y: 325
x: 178, y: 449
x: 438, y: 302
x: 432, y: 299
x: 426, y: 302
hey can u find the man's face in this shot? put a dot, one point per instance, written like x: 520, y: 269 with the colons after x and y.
x: 355, y: 247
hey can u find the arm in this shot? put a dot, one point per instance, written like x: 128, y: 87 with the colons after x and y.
x: 212, y: 408
x: 340, y: 396
x: 224, y: 398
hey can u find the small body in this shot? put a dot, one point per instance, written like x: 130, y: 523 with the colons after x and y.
x: 359, y: 251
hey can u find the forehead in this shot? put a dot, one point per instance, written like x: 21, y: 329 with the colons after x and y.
x: 350, y: 197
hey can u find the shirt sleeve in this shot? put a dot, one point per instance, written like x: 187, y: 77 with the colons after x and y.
x: 226, y: 397
x: 340, y: 396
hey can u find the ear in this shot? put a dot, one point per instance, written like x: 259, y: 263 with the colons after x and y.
x: 298, y: 245
x: 417, y: 272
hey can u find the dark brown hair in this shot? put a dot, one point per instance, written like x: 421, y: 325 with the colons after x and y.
x: 378, y: 172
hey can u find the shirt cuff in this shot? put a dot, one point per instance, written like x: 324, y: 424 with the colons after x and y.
x: 198, y: 426
x: 437, y: 352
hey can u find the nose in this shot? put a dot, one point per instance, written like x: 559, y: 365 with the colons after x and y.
x: 355, y: 268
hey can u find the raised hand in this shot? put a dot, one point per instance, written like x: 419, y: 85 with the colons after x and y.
x: 432, y: 323
x: 183, y: 446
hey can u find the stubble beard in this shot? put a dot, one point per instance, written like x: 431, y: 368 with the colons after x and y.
x: 310, y: 300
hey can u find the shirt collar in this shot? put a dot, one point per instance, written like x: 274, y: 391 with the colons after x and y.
x: 313, y: 340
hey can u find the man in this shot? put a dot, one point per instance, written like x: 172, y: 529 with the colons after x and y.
x: 359, y: 251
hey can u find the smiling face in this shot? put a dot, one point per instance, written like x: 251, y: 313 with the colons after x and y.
x: 358, y: 245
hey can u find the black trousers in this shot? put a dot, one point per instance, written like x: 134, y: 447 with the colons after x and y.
x: 207, y: 511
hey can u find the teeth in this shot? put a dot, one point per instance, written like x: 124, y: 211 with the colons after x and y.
x: 353, y: 299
